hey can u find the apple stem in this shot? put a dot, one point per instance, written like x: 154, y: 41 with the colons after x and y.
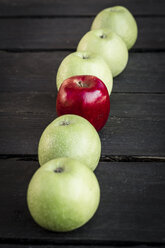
x: 102, y: 36
x: 80, y: 84
x: 85, y: 57
x: 64, y: 123
x: 59, y: 170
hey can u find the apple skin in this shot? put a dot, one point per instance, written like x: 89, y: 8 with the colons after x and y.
x: 121, y: 21
x: 84, y: 63
x: 109, y: 46
x: 70, y: 136
x: 63, y: 195
x: 86, y: 96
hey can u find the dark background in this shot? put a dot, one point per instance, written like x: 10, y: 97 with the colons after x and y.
x: 35, y: 36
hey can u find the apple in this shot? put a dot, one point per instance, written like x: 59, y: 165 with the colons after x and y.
x: 107, y: 44
x: 63, y: 195
x: 70, y: 136
x: 121, y: 21
x: 86, y: 96
x: 84, y: 63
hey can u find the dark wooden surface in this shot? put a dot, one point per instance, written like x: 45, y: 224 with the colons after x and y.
x: 35, y: 36
x: 127, y: 212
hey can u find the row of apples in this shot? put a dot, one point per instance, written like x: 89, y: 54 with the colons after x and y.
x: 64, y: 192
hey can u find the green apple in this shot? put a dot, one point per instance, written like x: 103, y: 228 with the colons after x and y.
x: 84, y: 63
x: 70, y: 136
x: 107, y: 44
x: 119, y: 20
x: 63, y: 195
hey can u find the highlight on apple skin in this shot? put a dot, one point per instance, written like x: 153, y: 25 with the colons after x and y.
x: 86, y: 96
x: 108, y: 45
x: 70, y: 136
x: 63, y: 195
x: 84, y: 63
x: 120, y: 20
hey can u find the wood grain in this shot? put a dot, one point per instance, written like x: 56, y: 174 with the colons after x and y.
x: 131, y: 208
x: 65, y: 33
x: 28, y: 72
x: 78, y: 7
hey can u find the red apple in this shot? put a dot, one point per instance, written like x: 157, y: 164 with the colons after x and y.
x: 84, y: 95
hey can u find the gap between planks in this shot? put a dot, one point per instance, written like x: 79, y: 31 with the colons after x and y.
x: 34, y: 50
x: 105, y: 158
x: 70, y: 16
x: 80, y: 243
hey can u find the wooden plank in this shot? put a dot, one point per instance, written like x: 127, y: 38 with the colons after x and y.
x: 128, y: 136
x: 27, y: 72
x: 123, y: 105
x: 79, y: 7
x: 20, y: 133
x: 65, y: 33
x: 131, y: 208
